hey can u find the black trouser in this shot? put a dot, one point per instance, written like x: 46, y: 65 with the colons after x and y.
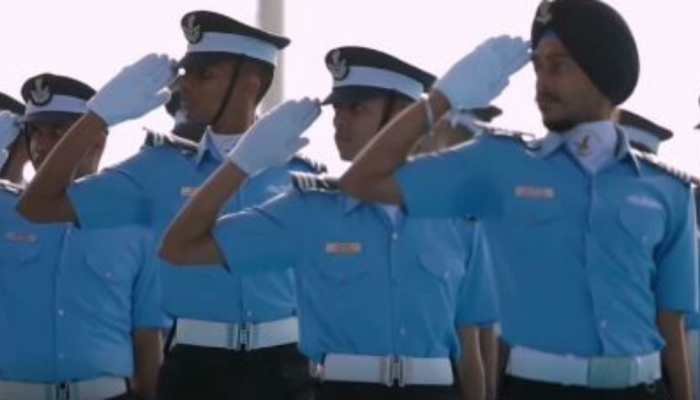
x: 369, y: 391
x: 522, y: 389
x: 199, y: 373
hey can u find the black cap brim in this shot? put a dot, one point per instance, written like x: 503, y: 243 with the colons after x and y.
x: 51, y: 117
x: 356, y: 94
x: 204, y: 59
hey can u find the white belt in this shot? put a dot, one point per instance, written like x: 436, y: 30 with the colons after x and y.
x: 237, y: 336
x: 595, y: 372
x: 387, y: 370
x: 94, y: 389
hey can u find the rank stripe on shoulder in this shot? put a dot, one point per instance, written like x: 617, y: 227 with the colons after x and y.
x: 157, y: 139
x: 316, y: 166
x: 665, y: 167
x: 10, y: 187
x: 307, y: 182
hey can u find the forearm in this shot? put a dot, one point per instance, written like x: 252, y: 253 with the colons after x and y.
x: 674, y: 355
x: 488, y: 341
x: 370, y: 177
x: 189, y: 239
x: 148, y: 357
x: 45, y: 199
x: 470, y: 366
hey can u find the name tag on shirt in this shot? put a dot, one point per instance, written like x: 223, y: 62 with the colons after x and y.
x: 20, y: 237
x: 187, y: 191
x: 644, y: 201
x: 344, y: 248
x: 535, y: 192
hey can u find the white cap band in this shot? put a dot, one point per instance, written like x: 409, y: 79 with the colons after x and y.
x: 383, y: 79
x: 59, y: 103
x: 235, y: 44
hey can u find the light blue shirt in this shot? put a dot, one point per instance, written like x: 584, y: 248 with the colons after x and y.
x: 70, y: 299
x: 150, y: 188
x: 587, y: 260
x: 366, y: 285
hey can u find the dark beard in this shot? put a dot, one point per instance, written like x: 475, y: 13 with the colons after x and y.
x: 560, y: 126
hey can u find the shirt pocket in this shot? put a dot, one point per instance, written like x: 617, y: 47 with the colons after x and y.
x: 343, y: 269
x: 18, y: 249
x: 644, y: 225
x: 443, y: 263
x: 533, y: 212
x: 112, y: 270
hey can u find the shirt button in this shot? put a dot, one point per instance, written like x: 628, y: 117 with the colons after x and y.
x: 604, y: 324
x: 394, y: 236
x: 108, y: 275
x: 249, y: 313
x: 61, y: 356
x: 402, y: 331
x: 60, y: 313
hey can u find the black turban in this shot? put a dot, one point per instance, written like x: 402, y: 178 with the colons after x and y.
x: 598, y: 39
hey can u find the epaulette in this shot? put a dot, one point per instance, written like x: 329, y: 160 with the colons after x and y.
x: 315, y: 166
x: 10, y: 187
x: 157, y: 139
x: 528, y: 139
x: 654, y: 161
x: 308, y: 182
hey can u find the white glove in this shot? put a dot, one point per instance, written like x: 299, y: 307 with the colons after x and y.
x: 479, y: 77
x: 275, y: 137
x: 135, y: 90
x: 9, y: 129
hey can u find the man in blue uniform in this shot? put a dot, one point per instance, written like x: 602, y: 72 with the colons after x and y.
x: 80, y: 310
x: 13, y: 150
x: 228, y: 68
x: 385, y: 301
x: 595, y: 313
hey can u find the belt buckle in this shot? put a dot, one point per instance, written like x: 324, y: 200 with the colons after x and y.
x: 242, y: 336
x: 392, y: 371
x: 316, y: 370
x: 62, y: 391
x: 610, y: 372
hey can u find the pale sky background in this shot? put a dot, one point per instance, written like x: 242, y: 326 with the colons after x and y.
x: 92, y: 40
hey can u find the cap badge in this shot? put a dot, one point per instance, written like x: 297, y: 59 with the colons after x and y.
x: 337, y: 66
x: 193, y: 33
x: 544, y: 12
x: 40, y: 94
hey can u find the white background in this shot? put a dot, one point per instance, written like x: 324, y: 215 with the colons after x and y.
x: 92, y: 40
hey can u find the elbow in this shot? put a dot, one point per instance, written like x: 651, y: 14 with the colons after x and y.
x: 30, y: 210
x: 350, y: 184
x: 171, y: 252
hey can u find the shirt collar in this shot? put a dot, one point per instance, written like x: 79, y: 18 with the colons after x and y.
x: 351, y: 204
x: 207, y: 145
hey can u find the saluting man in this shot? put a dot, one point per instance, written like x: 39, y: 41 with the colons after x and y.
x: 235, y: 335
x: 387, y: 303
x: 80, y: 310
x: 597, y: 239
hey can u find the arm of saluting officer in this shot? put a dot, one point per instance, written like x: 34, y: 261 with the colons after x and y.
x: 271, y: 141
x: 470, y: 366
x: 474, y: 81
x: 677, y: 291
x: 148, y: 356
x: 148, y: 320
x: 45, y: 199
x: 134, y: 91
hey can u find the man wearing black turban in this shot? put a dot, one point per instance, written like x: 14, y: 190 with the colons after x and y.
x: 594, y: 241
